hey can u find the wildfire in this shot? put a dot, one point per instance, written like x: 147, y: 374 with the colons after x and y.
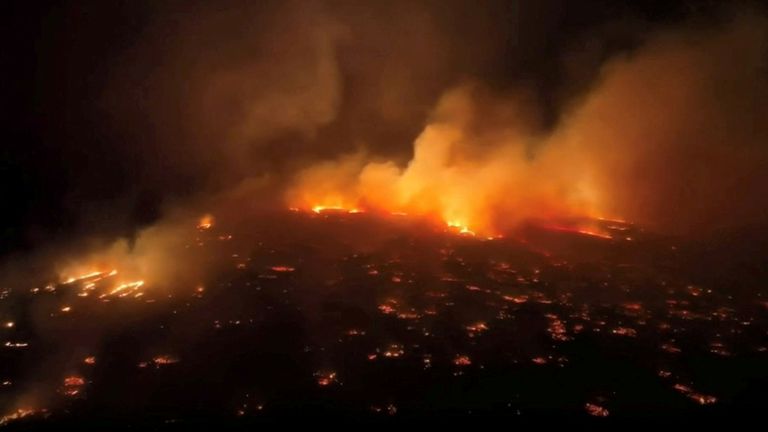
x: 476, y: 329
x: 460, y: 228
x: 163, y: 360
x: 337, y: 208
x: 596, y: 410
x: 448, y: 181
x: 578, y: 230
x: 205, y: 222
x: 90, y: 277
x: 325, y: 379
x: 74, y: 381
x: 393, y: 351
x: 283, y: 269
x: 73, y: 386
x: 700, y: 398
x: 462, y: 360
x: 20, y: 413
x: 124, y: 289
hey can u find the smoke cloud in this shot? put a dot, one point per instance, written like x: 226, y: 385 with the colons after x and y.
x: 670, y: 135
x: 481, y: 116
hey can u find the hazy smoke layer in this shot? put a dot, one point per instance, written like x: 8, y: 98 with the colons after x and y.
x: 674, y: 135
x: 482, y: 114
x: 671, y: 135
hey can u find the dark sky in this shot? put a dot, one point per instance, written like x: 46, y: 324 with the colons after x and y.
x: 109, y: 115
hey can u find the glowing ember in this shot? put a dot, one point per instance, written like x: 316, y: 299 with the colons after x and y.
x: 671, y: 348
x: 477, y: 328
x: 388, y: 307
x: 389, y: 409
x: 124, y: 289
x: 205, y: 222
x: 319, y: 209
x: 596, y: 410
x: 18, y: 414
x: 72, y: 386
x: 282, y: 269
x: 92, y: 276
x: 393, y: 351
x: 462, y: 360
x: 516, y: 299
x: 624, y: 331
x: 91, y: 360
x: 325, y: 378
x: 702, y: 399
x: 355, y: 332
x: 699, y: 398
x: 74, y: 381
x: 163, y: 360
x: 10, y: 344
x: 581, y: 231
x: 556, y: 329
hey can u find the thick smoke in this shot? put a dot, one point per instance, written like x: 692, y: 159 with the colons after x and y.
x: 671, y: 135
x: 482, y: 116
x: 674, y: 135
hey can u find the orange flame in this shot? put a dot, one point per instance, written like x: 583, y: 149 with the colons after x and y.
x: 451, y: 182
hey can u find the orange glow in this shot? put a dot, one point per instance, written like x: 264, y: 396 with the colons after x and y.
x: 162, y: 360
x: 18, y: 414
x: 323, y: 208
x: 124, y: 289
x: 325, y: 379
x: 74, y: 381
x: 596, y: 410
x: 577, y: 230
x: 319, y: 208
x: 462, y: 360
x: 473, y: 183
x: 205, y: 223
x: 283, y: 269
x: 91, y: 277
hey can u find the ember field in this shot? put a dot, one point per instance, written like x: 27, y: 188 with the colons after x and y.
x: 364, y: 317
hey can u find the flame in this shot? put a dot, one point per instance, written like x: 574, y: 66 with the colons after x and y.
x: 205, y: 223
x: 578, y: 230
x: 475, y: 184
x: 92, y: 276
x: 124, y: 289
x: 19, y: 413
x: 460, y: 227
x: 164, y: 359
